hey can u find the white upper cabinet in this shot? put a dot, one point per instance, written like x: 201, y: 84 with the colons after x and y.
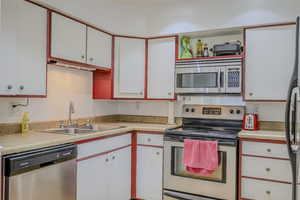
x: 68, y: 39
x: 8, y: 47
x: 99, y: 47
x: 23, y: 48
x: 161, y: 68
x: 129, y: 72
x: 31, y: 48
x: 269, y: 62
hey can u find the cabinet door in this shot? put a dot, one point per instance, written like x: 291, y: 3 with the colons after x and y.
x: 129, y: 73
x: 31, y: 49
x: 98, y: 48
x: 161, y: 68
x: 68, y: 39
x: 269, y: 62
x: 149, y: 173
x: 120, y: 174
x: 93, y: 177
x: 8, y: 48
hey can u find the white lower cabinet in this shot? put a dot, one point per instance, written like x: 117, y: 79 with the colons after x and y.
x: 149, y: 173
x: 264, y: 190
x: 106, y: 176
x: 93, y: 178
x: 265, y: 171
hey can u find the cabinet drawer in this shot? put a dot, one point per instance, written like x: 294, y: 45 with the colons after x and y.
x: 103, y: 145
x: 265, y: 149
x: 272, y: 169
x: 264, y: 190
x: 150, y: 139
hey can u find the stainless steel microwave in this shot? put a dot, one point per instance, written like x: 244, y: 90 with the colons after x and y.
x: 209, y: 76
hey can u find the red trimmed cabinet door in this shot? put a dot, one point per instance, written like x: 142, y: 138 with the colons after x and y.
x: 269, y: 62
x: 105, y: 177
x: 129, y: 68
x: 161, y: 68
x: 149, y: 166
x: 23, y: 39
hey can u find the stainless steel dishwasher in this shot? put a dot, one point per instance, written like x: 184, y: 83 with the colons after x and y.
x: 48, y: 174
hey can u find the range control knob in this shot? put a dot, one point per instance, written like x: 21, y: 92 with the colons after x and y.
x: 193, y: 110
x: 238, y: 112
x: 231, y: 111
x: 187, y: 110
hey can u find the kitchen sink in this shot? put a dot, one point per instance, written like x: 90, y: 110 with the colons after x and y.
x: 85, y: 130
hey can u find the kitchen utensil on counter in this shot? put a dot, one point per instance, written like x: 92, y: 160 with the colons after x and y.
x: 206, y: 51
x: 228, y: 48
x: 200, y: 49
x: 186, y: 50
x: 250, y: 121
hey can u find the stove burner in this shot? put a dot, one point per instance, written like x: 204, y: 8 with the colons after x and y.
x: 207, y: 128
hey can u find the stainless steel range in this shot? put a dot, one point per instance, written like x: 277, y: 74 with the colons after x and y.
x: 221, y: 123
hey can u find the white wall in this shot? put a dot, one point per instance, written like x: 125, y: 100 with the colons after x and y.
x: 266, y: 111
x: 64, y: 85
x: 112, y: 16
x: 196, y: 15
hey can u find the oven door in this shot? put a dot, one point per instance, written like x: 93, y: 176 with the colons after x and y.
x: 221, y: 184
x: 200, y: 80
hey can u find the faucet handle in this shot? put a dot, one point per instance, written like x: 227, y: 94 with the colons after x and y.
x: 61, y: 123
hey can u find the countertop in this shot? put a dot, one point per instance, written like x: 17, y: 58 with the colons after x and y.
x: 263, y: 134
x: 13, y: 143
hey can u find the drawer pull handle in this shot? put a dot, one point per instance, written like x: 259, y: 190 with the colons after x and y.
x: 268, y: 192
x: 149, y: 139
x: 268, y: 169
x: 269, y: 150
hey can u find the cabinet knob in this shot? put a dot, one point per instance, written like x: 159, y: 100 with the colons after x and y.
x: 170, y: 93
x: 269, y: 150
x: 149, y: 139
x: 141, y: 93
x: 157, y: 153
x: 268, y: 169
x: 83, y: 56
x: 9, y: 87
x: 268, y: 192
x: 22, y: 87
x: 91, y: 59
x: 113, y: 157
x: 106, y: 160
x: 250, y: 94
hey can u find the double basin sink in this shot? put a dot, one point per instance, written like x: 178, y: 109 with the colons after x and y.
x: 82, y: 130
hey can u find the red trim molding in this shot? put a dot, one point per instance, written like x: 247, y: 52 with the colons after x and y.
x: 134, y: 165
x: 152, y: 146
x: 269, y: 180
x: 267, y: 157
x: 213, y: 57
x: 263, y: 140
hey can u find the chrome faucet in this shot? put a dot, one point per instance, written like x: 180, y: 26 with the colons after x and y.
x: 71, y: 111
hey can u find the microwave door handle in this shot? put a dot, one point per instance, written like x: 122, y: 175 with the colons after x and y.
x: 219, y: 79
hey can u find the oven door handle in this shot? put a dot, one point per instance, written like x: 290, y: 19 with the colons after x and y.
x: 219, y: 79
x: 182, y: 196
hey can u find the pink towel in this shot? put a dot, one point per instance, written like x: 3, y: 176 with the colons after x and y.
x: 201, y: 157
